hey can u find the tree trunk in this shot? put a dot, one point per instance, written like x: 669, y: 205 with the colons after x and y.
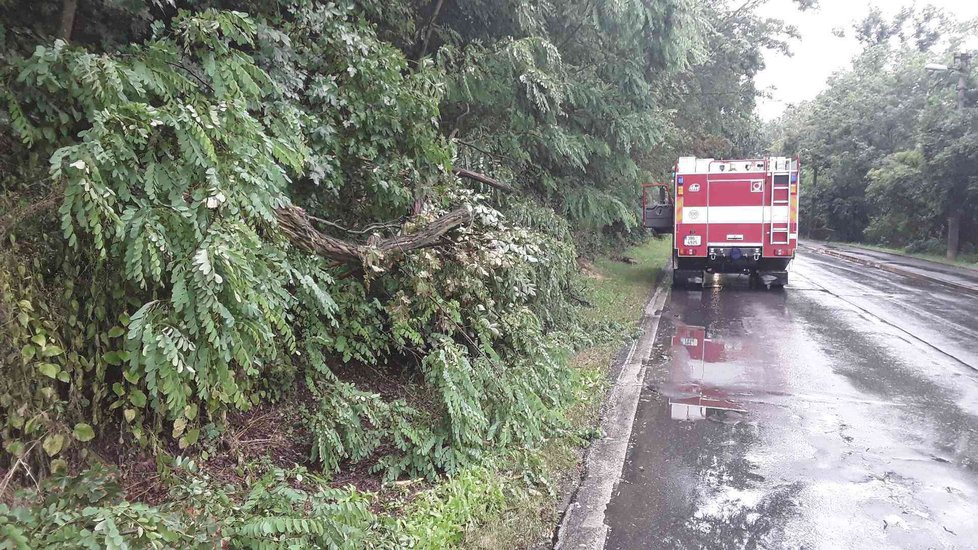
x: 68, y: 9
x: 953, y: 234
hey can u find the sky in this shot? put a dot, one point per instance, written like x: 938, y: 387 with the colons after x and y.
x: 819, y: 53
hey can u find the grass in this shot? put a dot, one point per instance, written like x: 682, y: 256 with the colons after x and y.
x: 618, y: 292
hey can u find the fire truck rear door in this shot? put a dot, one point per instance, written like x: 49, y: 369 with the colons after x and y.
x: 736, y: 208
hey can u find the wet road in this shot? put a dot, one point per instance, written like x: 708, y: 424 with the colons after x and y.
x: 841, y: 412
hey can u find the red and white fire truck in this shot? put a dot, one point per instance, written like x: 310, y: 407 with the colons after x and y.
x: 729, y: 216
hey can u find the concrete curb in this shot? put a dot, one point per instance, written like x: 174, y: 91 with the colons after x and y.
x: 889, y: 267
x: 583, y: 525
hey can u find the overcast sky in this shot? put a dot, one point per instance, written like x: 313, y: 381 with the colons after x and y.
x: 819, y: 53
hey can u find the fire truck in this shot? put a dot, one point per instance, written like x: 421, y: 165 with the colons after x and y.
x: 728, y: 216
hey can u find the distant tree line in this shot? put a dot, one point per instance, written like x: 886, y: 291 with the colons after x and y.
x: 889, y: 149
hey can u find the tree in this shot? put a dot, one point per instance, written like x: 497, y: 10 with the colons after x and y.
x: 949, y: 143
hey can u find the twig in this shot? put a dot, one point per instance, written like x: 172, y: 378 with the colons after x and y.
x: 13, y: 468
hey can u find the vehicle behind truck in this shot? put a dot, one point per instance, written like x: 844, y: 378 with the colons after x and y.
x: 730, y: 216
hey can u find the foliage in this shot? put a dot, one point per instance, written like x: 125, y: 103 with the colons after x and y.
x: 563, y: 96
x: 89, y: 511
x: 886, y: 152
x: 440, y: 518
x: 899, y: 199
x: 169, y: 194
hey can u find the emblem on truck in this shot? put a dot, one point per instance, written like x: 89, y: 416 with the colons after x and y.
x: 694, y: 188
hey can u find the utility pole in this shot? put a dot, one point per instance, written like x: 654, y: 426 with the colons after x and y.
x: 964, y: 68
x: 963, y: 62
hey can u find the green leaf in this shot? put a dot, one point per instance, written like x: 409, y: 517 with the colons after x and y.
x: 179, y: 425
x: 53, y: 444
x: 115, y: 358
x: 52, y: 351
x: 49, y: 369
x: 116, y: 332
x: 190, y: 438
x: 137, y: 397
x: 129, y: 414
x: 27, y: 352
x: 83, y: 432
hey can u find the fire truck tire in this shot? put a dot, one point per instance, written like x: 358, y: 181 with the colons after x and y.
x: 678, y: 281
x: 772, y: 279
x: 686, y: 278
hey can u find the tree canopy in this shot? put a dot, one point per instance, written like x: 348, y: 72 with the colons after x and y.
x: 888, y: 151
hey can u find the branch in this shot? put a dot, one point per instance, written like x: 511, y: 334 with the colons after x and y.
x: 431, y: 27
x: 68, y: 9
x: 298, y: 228
x: 482, y: 178
x: 587, y: 8
x: 369, y: 229
x: 480, y: 149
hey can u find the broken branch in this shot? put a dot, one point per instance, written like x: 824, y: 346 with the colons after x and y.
x: 297, y: 226
x: 482, y: 178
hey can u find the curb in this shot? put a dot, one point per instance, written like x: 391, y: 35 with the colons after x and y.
x: 583, y: 524
x: 890, y: 268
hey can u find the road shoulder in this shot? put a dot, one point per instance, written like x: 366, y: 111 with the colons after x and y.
x: 960, y: 278
x: 583, y: 525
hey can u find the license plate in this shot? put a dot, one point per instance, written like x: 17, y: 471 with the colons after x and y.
x: 692, y: 240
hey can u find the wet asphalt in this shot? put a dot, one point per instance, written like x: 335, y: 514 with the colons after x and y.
x: 841, y: 412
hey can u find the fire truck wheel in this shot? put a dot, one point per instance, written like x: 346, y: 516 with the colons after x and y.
x: 678, y: 281
x: 753, y: 281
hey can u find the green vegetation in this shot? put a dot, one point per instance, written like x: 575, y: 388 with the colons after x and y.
x: 300, y: 273
x: 890, y: 152
x: 621, y: 284
x: 509, y: 501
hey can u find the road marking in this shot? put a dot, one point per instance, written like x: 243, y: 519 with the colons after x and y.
x: 913, y: 337
x: 583, y: 525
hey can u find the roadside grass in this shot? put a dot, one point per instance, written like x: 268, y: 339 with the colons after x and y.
x: 534, y: 483
x: 969, y: 261
x: 620, y: 294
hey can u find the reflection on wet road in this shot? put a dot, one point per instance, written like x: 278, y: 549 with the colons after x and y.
x: 839, y: 413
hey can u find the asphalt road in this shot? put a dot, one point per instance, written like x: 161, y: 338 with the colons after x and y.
x: 841, y: 412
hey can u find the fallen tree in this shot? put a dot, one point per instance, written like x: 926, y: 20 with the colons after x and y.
x: 298, y: 227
